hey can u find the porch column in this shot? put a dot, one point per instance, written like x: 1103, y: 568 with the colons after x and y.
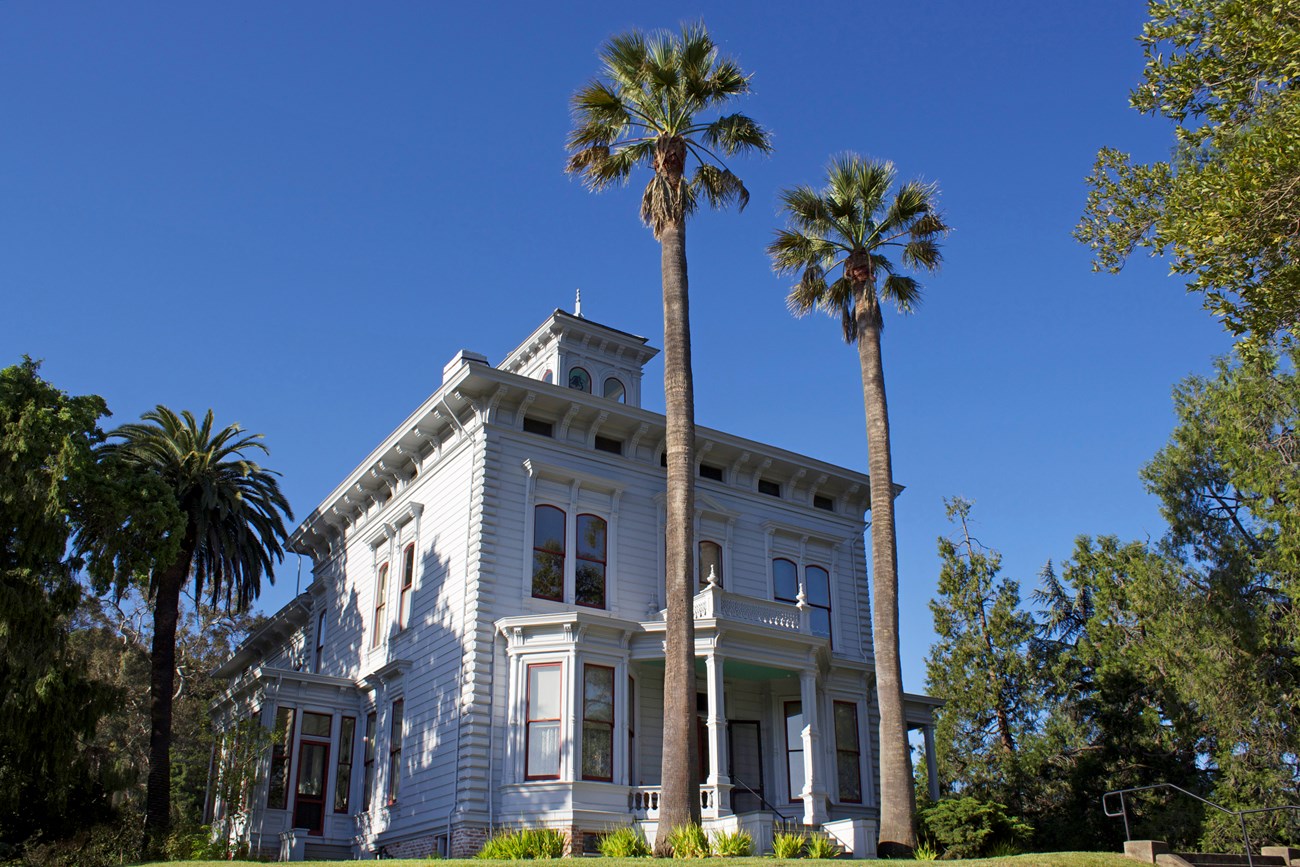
x: 718, y: 780
x: 814, y: 798
x: 931, y: 766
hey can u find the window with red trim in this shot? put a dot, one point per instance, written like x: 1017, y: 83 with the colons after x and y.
x: 381, y: 598
x: 408, y: 578
x: 395, y: 752
x: 589, y: 573
x: 542, y: 731
x: 597, y: 723
x: 548, y: 553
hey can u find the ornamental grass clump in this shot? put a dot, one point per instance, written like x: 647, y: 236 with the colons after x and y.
x: 787, y: 845
x: 689, y: 841
x: 733, y: 844
x: 822, y: 846
x: 624, y: 843
x: 523, y: 844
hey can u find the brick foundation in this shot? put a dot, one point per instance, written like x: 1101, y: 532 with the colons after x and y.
x: 466, y: 840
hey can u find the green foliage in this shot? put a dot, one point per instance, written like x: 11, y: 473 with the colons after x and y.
x: 967, y: 827
x: 624, y: 843
x: 985, y: 666
x: 788, y: 844
x: 108, y: 844
x: 644, y: 111
x: 926, y: 850
x: 689, y: 841
x: 1223, y: 207
x: 822, y: 846
x: 523, y: 844
x: 733, y: 844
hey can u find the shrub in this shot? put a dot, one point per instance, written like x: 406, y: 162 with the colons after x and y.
x: 788, y: 845
x: 822, y: 846
x: 967, y: 827
x: 926, y: 850
x: 1004, y: 849
x: 107, y: 845
x: 689, y: 841
x: 523, y: 844
x: 624, y: 843
x: 736, y: 844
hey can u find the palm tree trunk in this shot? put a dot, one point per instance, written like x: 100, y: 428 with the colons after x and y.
x: 897, y: 797
x: 679, y: 800
x: 162, y: 684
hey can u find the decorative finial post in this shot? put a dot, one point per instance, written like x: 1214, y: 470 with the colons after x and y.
x: 577, y: 302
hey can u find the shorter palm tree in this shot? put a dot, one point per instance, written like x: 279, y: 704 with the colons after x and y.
x: 233, y: 535
x: 850, y: 226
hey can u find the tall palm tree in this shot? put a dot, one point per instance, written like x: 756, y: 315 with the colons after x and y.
x: 234, y: 534
x: 850, y: 226
x: 644, y: 110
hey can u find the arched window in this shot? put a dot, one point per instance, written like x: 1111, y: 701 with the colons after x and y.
x: 589, y: 576
x: 580, y: 379
x: 381, y: 598
x: 614, y: 390
x: 710, y: 558
x: 818, y: 587
x: 408, y: 579
x: 548, y: 376
x: 548, y: 553
x: 785, y: 580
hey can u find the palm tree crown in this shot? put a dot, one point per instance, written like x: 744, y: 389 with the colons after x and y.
x: 233, y: 507
x: 644, y: 111
x: 850, y: 225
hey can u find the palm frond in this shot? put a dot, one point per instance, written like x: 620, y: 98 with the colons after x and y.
x: 720, y: 187
x: 734, y: 133
x: 904, y: 291
x: 808, y: 293
x: 922, y: 254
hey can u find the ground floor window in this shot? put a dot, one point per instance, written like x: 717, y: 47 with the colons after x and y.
x: 343, y: 770
x: 794, y: 757
x: 395, y: 752
x: 277, y: 790
x: 597, y: 723
x: 542, y: 730
x: 848, y: 752
x: 368, y: 787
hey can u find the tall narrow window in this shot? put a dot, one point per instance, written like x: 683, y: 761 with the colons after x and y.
x: 710, y: 561
x: 614, y: 389
x: 320, y: 641
x: 277, y: 790
x: 542, y: 735
x: 395, y: 753
x: 381, y: 597
x: 408, y: 578
x: 785, y: 580
x: 597, y: 723
x: 818, y: 583
x: 343, y: 770
x: 313, y: 768
x: 794, y: 748
x: 848, y: 752
x: 369, y: 762
x: 548, y: 553
x: 631, y: 731
x: 589, y: 577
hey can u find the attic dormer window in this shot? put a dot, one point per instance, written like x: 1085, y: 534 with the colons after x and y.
x: 580, y: 379
x: 548, y: 376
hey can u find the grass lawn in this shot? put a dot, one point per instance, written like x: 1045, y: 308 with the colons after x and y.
x: 1044, y: 859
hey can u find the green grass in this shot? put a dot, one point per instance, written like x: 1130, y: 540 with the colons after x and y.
x: 1043, y: 859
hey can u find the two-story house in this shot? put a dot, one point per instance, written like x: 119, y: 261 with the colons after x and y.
x: 481, y: 645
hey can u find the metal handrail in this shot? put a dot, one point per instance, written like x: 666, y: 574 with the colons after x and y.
x: 738, y: 781
x: 1240, y: 814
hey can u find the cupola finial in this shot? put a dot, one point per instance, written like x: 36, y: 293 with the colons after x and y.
x: 577, y: 302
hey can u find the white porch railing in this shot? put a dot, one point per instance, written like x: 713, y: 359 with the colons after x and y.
x: 714, y: 602
x: 643, y: 801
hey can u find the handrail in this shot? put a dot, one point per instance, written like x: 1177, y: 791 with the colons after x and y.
x: 1240, y: 814
x: 738, y: 781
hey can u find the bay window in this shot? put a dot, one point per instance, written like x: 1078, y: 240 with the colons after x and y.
x: 597, y: 723
x: 542, y: 728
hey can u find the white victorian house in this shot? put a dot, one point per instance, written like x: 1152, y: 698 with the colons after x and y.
x: 482, y: 642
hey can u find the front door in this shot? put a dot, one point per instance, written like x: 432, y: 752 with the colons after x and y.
x: 745, y: 741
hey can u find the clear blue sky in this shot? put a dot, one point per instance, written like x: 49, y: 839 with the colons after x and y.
x: 296, y: 213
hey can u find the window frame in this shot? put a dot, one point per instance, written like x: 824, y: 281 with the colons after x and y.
x: 793, y: 600
x: 305, y: 739
x: 791, y: 791
x: 569, y: 379
x: 396, y: 723
x: 342, y: 778
x: 381, y: 605
x: 702, y: 578
x: 622, y: 393
x: 529, y: 720
x: 830, y: 598
x: 368, y: 761
x: 841, y: 751
x: 609, y: 724
x: 408, y: 585
x: 578, y: 559
x: 281, y: 754
x: 562, y: 554
x: 320, y: 641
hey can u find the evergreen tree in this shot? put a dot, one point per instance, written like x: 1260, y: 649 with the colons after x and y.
x: 984, y: 667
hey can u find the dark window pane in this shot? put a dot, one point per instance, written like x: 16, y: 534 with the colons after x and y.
x: 548, y: 575
x: 820, y: 620
x: 316, y: 725
x: 772, y: 489
x: 605, y: 444
x: 539, y: 427
x: 820, y: 502
x: 819, y: 586
x: 846, y: 725
x: 710, y: 559
x: 614, y: 389
x: 589, y: 579
x: 580, y: 379
x: 598, y: 693
x: 597, y: 752
x: 548, y: 529
x: 591, y: 537
x: 311, y: 769
x: 708, y: 471
x: 785, y: 580
x: 343, y: 770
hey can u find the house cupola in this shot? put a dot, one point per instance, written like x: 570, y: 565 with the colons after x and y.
x: 569, y: 350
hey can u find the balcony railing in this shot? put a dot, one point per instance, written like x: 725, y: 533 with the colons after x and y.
x: 643, y: 801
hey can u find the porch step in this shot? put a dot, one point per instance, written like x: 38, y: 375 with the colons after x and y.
x: 1215, y: 859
